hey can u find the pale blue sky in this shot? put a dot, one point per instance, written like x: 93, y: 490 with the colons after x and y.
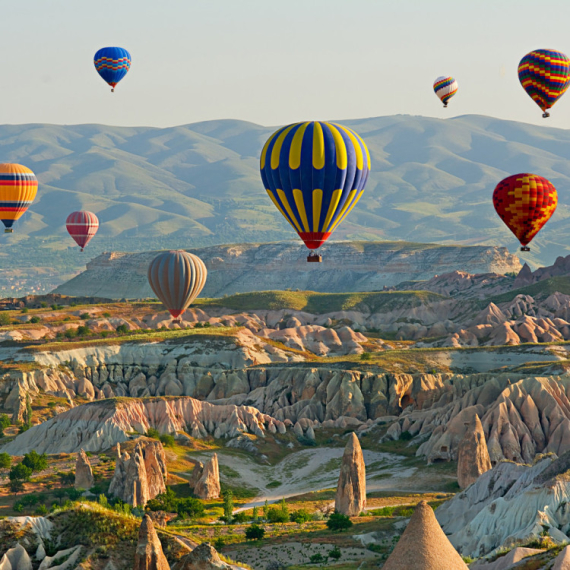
x: 273, y: 62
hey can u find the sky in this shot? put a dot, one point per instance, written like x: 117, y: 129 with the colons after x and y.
x: 273, y: 62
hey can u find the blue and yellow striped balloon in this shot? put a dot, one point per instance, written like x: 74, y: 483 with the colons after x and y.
x: 315, y: 173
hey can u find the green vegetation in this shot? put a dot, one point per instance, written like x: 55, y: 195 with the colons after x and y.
x: 5, y: 460
x: 254, y: 532
x: 319, y: 303
x: 35, y: 461
x: 4, y: 319
x: 539, y: 290
x: 338, y: 521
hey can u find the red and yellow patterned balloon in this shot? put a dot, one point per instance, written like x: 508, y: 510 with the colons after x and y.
x: 525, y: 202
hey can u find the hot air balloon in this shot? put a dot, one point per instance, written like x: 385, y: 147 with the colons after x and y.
x: 177, y: 277
x: 525, y: 202
x: 315, y: 173
x: 545, y: 76
x: 82, y: 226
x: 445, y: 88
x: 112, y: 64
x: 18, y: 188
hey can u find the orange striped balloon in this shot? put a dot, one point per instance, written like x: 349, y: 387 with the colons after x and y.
x: 177, y: 278
x: 18, y: 188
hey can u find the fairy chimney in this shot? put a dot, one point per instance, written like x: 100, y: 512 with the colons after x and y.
x: 472, y: 455
x: 351, y: 490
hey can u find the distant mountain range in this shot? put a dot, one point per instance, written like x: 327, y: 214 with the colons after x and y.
x: 199, y: 185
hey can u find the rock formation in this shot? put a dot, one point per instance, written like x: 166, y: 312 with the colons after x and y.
x: 238, y: 268
x: 472, y: 455
x: 83, y: 473
x: 424, y: 546
x: 508, y: 505
x: 208, y: 485
x: 508, y: 561
x: 149, y: 554
x: 100, y: 425
x: 139, y: 478
x: 16, y: 559
x: 562, y: 561
x: 351, y: 490
x: 203, y: 557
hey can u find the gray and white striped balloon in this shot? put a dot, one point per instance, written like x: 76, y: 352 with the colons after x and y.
x: 177, y: 277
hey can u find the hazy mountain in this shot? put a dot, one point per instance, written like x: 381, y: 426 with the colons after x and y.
x: 199, y: 184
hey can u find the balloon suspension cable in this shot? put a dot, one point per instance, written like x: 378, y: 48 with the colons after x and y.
x: 545, y: 115
x: 525, y: 248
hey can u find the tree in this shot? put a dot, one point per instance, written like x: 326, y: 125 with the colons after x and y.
x: 59, y: 494
x: 255, y: 514
x: 254, y: 532
x: 316, y: 558
x: 228, y: 506
x: 74, y: 493
x: 189, y: 508
x: 167, y: 440
x: 338, y: 521
x: 164, y: 502
x: 5, y: 421
x: 19, y: 474
x: 153, y: 433
x: 122, y: 329
x: 4, y: 319
x: 266, y: 510
x: 5, y: 461
x: 35, y: 461
x: 301, y: 516
x: 277, y: 516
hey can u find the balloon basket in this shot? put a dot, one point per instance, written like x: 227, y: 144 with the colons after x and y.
x: 177, y: 321
x: 545, y: 115
x: 525, y: 248
x: 112, y: 90
x: 314, y: 258
x: 445, y: 106
x: 81, y: 250
x: 8, y: 230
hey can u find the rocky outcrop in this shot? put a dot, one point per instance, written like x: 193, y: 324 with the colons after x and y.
x: 562, y: 561
x: 203, y: 557
x: 149, y: 554
x: 70, y: 556
x: 509, y: 505
x: 424, y: 546
x: 350, y: 496
x: 83, y: 472
x: 472, y: 455
x: 507, y: 561
x: 16, y: 559
x: 139, y: 478
x: 99, y: 425
x: 237, y: 268
x: 208, y: 485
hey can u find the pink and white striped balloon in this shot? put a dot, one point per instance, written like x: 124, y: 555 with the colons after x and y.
x: 82, y: 226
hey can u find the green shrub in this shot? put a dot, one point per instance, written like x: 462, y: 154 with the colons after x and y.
x: 70, y: 333
x: 317, y: 558
x: 20, y: 472
x: 5, y: 461
x: 41, y: 510
x: 153, y: 433
x: 219, y: 543
x: 335, y: 553
x: 106, y: 315
x: 84, y: 316
x: 5, y: 421
x: 189, y: 508
x: 167, y: 440
x: 365, y: 356
x: 24, y: 310
x: 338, y: 521
x: 35, y: 461
x: 35, y: 319
x: 254, y: 532
x: 301, y: 516
x: 82, y: 330
x: 406, y: 436
x: 5, y: 319
x: 277, y: 515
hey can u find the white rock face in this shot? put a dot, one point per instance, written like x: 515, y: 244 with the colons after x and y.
x: 100, y: 425
x: 16, y: 559
x: 507, y: 505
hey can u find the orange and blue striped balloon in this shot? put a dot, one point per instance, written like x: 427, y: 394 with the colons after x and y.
x: 18, y: 188
x: 315, y: 173
x: 112, y: 64
x: 545, y: 76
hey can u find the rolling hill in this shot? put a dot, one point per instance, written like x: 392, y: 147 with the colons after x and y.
x: 198, y: 185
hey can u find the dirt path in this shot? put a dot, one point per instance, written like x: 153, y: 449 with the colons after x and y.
x: 310, y: 470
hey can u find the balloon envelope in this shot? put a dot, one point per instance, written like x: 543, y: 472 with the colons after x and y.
x: 314, y: 173
x: 112, y: 64
x: 82, y: 226
x: 525, y: 202
x: 177, y: 277
x: 18, y: 188
x: 445, y: 88
x: 545, y: 76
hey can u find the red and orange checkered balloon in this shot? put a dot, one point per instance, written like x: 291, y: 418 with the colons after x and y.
x: 525, y: 202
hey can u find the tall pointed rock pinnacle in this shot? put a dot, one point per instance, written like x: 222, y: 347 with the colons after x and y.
x: 351, y: 490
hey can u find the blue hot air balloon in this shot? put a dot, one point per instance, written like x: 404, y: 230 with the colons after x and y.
x: 314, y: 173
x: 112, y: 64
